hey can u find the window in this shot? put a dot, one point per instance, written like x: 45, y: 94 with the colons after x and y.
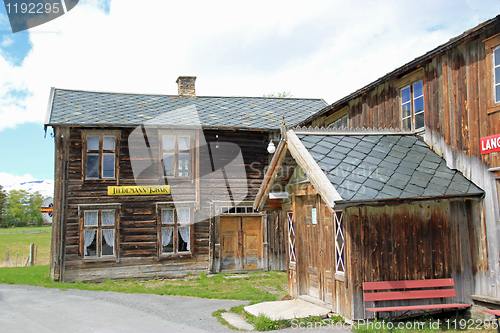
x: 176, y: 155
x: 412, y: 106
x: 237, y: 210
x: 291, y: 238
x: 99, y: 228
x: 100, y: 156
x: 496, y: 74
x: 339, y: 242
x: 175, y: 231
x: 339, y: 123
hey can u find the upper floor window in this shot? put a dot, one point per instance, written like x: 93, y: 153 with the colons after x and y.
x: 100, y: 156
x: 175, y: 232
x: 176, y: 155
x: 99, y: 228
x: 339, y: 123
x: 496, y: 73
x: 412, y: 106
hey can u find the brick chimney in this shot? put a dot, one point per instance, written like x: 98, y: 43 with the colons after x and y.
x: 185, y: 86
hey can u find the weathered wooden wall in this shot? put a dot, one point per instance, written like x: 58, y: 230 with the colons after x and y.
x: 420, y: 240
x: 137, y: 229
x: 458, y: 111
x: 277, y: 240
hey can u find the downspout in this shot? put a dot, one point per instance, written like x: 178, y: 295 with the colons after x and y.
x: 63, y: 216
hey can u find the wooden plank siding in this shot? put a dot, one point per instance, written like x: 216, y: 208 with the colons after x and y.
x: 459, y: 110
x: 137, y: 215
x: 409, y: 241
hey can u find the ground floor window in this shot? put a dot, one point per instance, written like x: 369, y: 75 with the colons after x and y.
x: 339, y: 242
x: 99, y: 233
x: 175, y: 231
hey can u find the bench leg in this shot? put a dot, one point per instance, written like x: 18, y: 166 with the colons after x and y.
x: 390, y: 320
x: 498, y: 324
x: 456, y: 314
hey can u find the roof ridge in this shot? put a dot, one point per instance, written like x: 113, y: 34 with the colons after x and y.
x: 351, y: 131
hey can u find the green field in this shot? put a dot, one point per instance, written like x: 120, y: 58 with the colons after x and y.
x: 18, y: 240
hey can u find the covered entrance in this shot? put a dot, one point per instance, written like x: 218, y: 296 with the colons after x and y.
x: 241, y: 243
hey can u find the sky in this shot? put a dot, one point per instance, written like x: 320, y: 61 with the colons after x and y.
x: 319, y: 49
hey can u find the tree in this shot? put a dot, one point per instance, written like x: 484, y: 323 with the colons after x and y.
x: 3, y: 200
x: 284, y: 94
x: 23, y: 208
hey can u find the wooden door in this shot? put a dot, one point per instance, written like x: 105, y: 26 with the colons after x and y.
x: 315, y: 258
x: 241, y: 242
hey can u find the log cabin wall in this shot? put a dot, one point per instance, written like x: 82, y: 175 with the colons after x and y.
x: 137, y: 252
x: 415, y: 240
x: 459, y: 111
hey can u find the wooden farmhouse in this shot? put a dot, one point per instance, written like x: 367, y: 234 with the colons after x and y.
x: 418, y: 201
x: 157, y: 186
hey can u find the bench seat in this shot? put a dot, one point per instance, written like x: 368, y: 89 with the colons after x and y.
x: 419, y: 307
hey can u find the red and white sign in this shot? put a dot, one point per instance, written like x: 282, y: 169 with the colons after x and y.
x: 490, y: 144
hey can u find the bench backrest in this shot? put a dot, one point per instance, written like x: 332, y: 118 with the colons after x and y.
x: 408, y: 294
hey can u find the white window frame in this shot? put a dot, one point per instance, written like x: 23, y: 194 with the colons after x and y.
x: 292, y: 238
x: 339, y: 249
x: 176, y: 151
x: 411, y: 102
x: 495, y: 84
x: 175, y: 231
x: 99, y: 236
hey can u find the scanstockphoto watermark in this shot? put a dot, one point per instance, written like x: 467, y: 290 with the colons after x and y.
x: 26, y: 14
x: 171, y: 149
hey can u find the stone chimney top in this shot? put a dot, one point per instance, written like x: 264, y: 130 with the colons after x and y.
x: 185, y: 86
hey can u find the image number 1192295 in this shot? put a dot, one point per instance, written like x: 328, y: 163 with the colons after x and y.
x: 26, y: 14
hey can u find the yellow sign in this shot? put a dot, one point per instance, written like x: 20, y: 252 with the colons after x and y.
x: 139, y: 190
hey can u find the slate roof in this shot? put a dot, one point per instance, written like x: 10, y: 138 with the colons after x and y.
x: 84, y: 108
x: 379, y: 167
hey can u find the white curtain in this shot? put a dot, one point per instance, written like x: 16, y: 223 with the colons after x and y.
x: 184, y: 142
x: 184, y: 232
x: 88, y: 237
x: 90, y: 218
x: 108, y: 217
x: 109, y: 236
x: 166, y: 235
x: 183, y: 215
x: 167, y: 216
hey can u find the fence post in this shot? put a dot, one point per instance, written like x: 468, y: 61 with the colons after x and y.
x: 32, y: 254
x: 16, y: 259
x: 22, y: 262
x: 7, y: 259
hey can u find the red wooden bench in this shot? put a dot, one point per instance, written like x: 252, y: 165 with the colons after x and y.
x: 497, y: 314
x: 398, y: 290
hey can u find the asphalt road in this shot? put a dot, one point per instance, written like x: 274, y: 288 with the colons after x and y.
x: 29, y: 309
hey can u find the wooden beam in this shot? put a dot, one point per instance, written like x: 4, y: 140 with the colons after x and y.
x: 270, y: 176
x: 313, y: 171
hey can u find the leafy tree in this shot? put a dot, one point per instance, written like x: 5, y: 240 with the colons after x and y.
x: 3, y: 200
x: 23, y: 208
x: 284, y: 94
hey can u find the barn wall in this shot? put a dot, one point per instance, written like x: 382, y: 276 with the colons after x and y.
x: 277, y: 240
x: 137, y: 228
x: 422, y: 240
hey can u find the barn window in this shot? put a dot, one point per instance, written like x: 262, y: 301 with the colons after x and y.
x: 412, y: 106
x: 100, y: 156
x: 339, y: 242
x: 339, y: 123
x: 496, y: 73
x: 176, y: 155
x: 291, y: 238
x: 175, y: 234
x: 99, y: 231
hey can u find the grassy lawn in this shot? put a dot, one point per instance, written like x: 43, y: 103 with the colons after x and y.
x: 257, y: 287
x: 18, y: 240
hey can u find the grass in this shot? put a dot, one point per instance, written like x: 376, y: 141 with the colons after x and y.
x: 18, y: 240
x: 258, y: 287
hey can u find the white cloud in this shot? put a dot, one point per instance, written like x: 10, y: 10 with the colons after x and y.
x: 323, y: 49
x: 7, y: 179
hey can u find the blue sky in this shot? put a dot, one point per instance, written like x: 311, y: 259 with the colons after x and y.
x: 325, y: 49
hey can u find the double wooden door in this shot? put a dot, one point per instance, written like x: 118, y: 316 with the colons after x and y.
x: 241, y: 242
x: 315, y: 259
